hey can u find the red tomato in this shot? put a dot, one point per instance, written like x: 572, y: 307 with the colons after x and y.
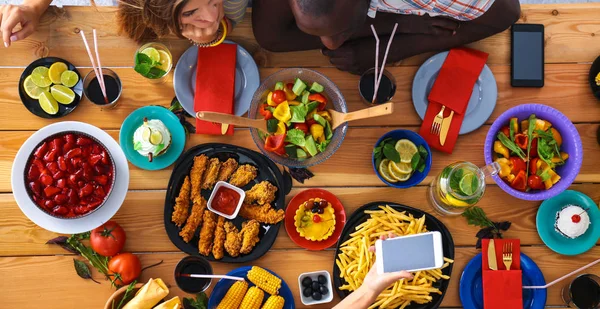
x: 108, y: 239
x: 517, y: 165
x: 533, y: 150
x: 301, y: 126
x: 533, y: 166
x: 519, y: 183
x: 274, y: 143
x: 278, y: 96
x: 124, y: 268
x: 521, y: 141
x: 535, y: 182
x: 506, y: 131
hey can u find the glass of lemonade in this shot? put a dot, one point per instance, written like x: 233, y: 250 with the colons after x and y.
x: 459, y: 186
x: 153, y: 61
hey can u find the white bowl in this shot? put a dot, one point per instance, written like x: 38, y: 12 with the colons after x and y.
x: 313, y: 276
x: 234, y: 188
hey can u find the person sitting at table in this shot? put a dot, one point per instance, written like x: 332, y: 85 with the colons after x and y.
x: 200, y: 21
x: 342, y: 27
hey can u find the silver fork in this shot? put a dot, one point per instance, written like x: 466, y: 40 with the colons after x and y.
x: 437, y: 122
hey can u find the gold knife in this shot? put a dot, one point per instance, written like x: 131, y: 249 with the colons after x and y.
x: 491, y: 255
x: 445, y: 127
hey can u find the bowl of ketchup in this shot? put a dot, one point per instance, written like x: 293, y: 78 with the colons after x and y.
x: 226, y: 200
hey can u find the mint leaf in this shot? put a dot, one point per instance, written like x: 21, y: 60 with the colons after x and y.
x: 414, y: 162
x: 155, y: 73
x: 296, y: 137
x: 143, y: 69
x: 143, y: 59
x: 137, y: 146
x: 391, y: 153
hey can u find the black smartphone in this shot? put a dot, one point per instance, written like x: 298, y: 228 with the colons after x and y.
x: 527, y: 55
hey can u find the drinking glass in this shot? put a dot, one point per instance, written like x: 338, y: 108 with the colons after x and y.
x: 114, y: 88
x: 166, y: 60
x: 583, y: 292
x: 459, y: 186
x: 386, y: 91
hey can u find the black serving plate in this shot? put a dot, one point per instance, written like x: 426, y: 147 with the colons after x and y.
x: 267, y: 170
x: 432, y: 224
x: 33, y: 105
x: 594, y: 70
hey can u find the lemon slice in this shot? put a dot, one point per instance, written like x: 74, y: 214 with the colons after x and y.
x: 165, y: 60
x: 40, y: 77
x: 48, y: 103
x: 455, y: 202
x: 69, y: 78
x: 152, y: 53
x: 31, y: 89
x: 406, y: 149
x: 56, y: 70
x: 146, y: 132
x: 401, y: 168
x: 396, y: 175
x: 62, y: 94
x: 156, y: 138
x: 384, y: 171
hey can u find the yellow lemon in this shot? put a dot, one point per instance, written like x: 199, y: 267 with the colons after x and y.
x: 165, y: 60
x: 48, y: 103
x: 384, y: 171
x: 401, y: 168
x: 56, y: 70
x: 406, y: 149
x: 32, y: 90
x: 156, y: 138
x: 396, y: 175
x: 455, y: 202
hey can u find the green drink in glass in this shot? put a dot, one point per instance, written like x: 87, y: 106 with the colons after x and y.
x: 153, y: 61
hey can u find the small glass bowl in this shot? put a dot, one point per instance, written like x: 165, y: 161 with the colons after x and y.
x: 92, y: 76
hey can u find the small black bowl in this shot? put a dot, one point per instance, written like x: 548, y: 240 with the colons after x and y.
x: 193, y: 265
x: 33, y: 105
x: 594, y: 70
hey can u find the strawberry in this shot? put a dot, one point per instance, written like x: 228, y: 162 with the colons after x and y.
x: 49, y: 204
x: 73, y: 198
x: 102, y: 179
x: 56, y: 144
x: 105, y: 158
x: 75, y: 152
x: 73, y: 179
x: 80, y: 183
x: 76, y: 162
x: 60, y: 211
x: 41, y: 151
x: 80, y: 209
x: 96, y: 149
x: 35, y: 188
x: 86, y: 190
x: 51, y: 191
x: 52, y: 167
x: 59, y: 175
x: 95, y: 159
x: 99, y: 192
x: 94, y: 203
x: 62, y: 163
x: 60, y: 199
x: 46, y: 180
x: 68, y: 146
x: 99, y: 169
x: 51, y: 155
x: 70, y: 138
x: 61, y: 183
x: 83, y: 141
x: 86, y: 152
x: 33, y: 173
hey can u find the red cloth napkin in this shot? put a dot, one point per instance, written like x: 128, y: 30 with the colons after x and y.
x: 502, y: 289
x: 215, y: 85
x: 452, y: 88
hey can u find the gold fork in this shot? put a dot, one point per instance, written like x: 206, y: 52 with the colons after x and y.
x: 437, y: 122
x: 507, y: 255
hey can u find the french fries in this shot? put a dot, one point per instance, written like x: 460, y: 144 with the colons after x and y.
x: 355, y: 259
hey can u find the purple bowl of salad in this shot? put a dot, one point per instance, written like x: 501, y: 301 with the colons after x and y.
x: 295, y: 102
x: 538, y: 149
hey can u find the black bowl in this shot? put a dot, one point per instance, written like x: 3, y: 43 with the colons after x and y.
x: 33, y: 105
x: 432, y: 223
x: 594, y: 70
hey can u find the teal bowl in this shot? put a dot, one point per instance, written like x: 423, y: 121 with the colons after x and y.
x: 558, y: 243
x: 135, y: 120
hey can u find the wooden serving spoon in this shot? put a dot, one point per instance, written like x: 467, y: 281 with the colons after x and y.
x: 337, y: 118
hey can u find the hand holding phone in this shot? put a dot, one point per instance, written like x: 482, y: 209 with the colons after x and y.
x: 410, y: 253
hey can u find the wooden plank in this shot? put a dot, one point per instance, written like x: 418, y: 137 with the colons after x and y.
x: 142, y: 218
x: 349, y: 166
x: 571, y: 36
x: 566, y: 86
x: 58, y: 272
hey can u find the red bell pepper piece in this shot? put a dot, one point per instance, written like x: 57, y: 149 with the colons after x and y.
x: 275, y: 143
x: 519, y: 183
x: 301, y: 126
x: 521, y: 141
x: 534, y: 148
x: 319, y: 98
x: 517, y: 165
x: 265, y: 112
x: 506, y: 131
x: 310, y: 122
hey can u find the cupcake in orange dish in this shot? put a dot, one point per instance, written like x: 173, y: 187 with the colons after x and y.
x: 315, y: 219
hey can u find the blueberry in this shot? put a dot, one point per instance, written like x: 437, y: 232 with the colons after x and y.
x: 322, y: 279
x: 323, y: 289
x: 315, y: 210
x: 316, y: 295
x: 307, y: 292
x: 315, y: 286
x: 306, y: 282
x: 315, y: 204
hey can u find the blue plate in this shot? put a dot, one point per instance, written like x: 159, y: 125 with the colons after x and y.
x: 482, y: 102
x: 546, y: 217
x: 223, y: 286
x: 471, y: 289
x: 247, y: 79
x: 135, y: 120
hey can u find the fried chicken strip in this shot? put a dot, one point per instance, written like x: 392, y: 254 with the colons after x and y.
x: 194, y: 220
x: 262, y: 193
x: 219, y: 241
x: 210, y: 178
x: 250, y: 230
x: 182, y: 204
x: 207, y: 232
x: 227, y: 169
x: 197, y: 173
x: 264, y: 214
x: 233, y: 239
x: 243, y: 175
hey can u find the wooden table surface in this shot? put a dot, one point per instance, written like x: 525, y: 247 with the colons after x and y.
x: 35, y: 275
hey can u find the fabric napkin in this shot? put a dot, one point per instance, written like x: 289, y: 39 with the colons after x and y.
x: 215, y: 85
x: 502, y: 289
x: 452, y: 88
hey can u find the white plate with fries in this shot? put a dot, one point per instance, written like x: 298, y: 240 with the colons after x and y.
x: 353, y: 258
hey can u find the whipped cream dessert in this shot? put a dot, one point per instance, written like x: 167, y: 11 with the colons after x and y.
x: 151, y: 139
x: 572, y: 221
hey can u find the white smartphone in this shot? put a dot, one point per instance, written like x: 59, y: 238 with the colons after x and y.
x: 411, y: 253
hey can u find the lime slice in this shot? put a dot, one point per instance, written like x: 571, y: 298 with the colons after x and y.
x: 384, y: 171
x: 56, y: 70
x: 62, y: 94
x: 468, y: 184
x: 31, y: 89
x: 69, y: 78
x: 40, y: 77
x: 165, y: 61
x: 406, y: 149
x: 152, y: 53
x: 48, y: 103
x: 401, y: 168
x: 156, y: 138
x: 146, y: 132
x: 396, y: 175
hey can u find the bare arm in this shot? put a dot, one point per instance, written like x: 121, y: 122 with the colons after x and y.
x: 27, y: 15
x: 361, y: 298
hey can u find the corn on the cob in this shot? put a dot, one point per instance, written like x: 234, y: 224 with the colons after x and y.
x: 253, y: 298
x: 234, y: 296
x: 264, y: 280
x: 274, y: 302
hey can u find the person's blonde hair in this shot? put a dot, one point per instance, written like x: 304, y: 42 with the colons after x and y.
x: 149, y: 19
